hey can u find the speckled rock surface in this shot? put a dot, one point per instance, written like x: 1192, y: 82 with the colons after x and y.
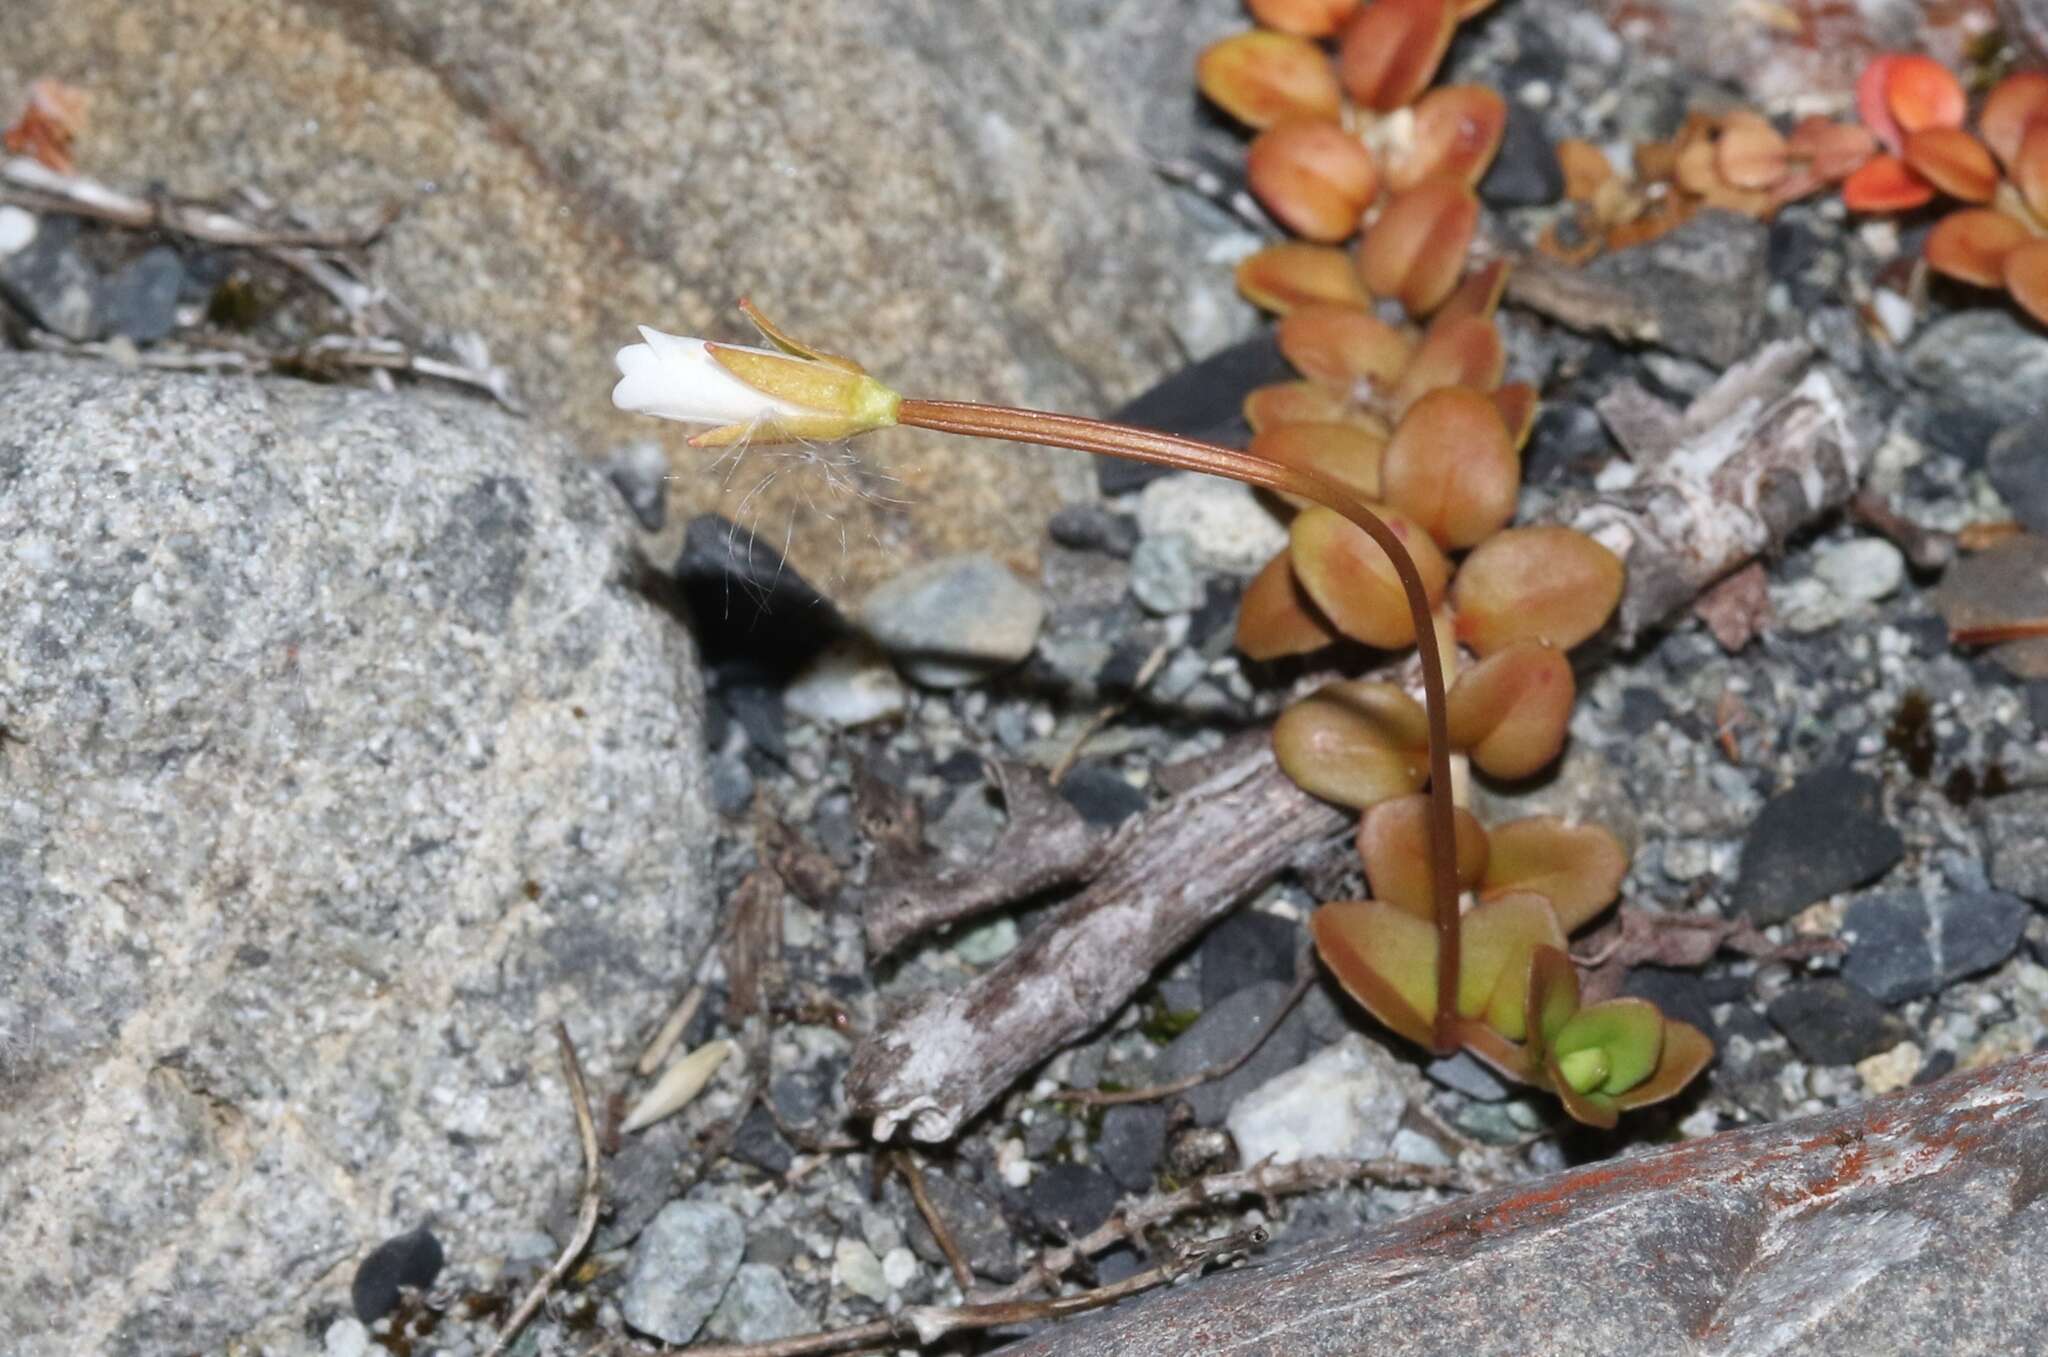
x: 341, y: 764
x: 958, y: 195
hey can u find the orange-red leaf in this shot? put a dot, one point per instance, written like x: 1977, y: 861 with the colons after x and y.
x: 1344, y: 453
x: 1263, y: 78
x: 2026, y: 277
x: 1953, y: 161
x: 1451, y: 467
x: 1353, y: 581
x: 1390, y: 52
x: 1921, y: 93
x: 1342, y: 346
x: 1290, y: 274
x: 1416, y: 250
x: 1355, y: 743
x: 1543, y: 583
x: 1510, y: 711
x: 1313, y: 176
x: 1276, y: 618
x: 1458, y: 129
x: 1303, y: 18
x: 1885, y: 184
x: 2014, y: 105
x: 1972, y: 244
x: 1393, y: 842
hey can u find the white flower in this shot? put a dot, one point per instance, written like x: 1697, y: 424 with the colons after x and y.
x: 671, y: 377
x: 789, y: 393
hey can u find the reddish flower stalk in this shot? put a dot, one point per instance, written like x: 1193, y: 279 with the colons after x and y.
x: 1185, y: 454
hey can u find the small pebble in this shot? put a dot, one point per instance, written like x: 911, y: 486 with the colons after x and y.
x: 1889, y: 1071
x: 1863, y: 570
x: 955, y: 621
x: 849, y: 684
x: 855, y: 1267
x: 1228, y: 529
x: 1163, y: 577
x: 680, y: 1267
x: 899, y: 1268
x: 1344, y: 1101
x: 344, y: 1337
x: 757, y: 1308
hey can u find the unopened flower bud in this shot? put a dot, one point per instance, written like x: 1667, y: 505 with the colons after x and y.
x: 789, y: 394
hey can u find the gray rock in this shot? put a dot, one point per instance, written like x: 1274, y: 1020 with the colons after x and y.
x: 640, y: 472
x: 1066, y: 1201
x: 937, y: 212
x: 1344, y: 1101
x: 141, y: 301
x: 975, y: 1222
x: 1228, y: 528
x: 1163, y: 576
x: 954, y: 621
x: 1090, y: 527
x: 344, y: 760
x: 51, y: 281
x: 1133, y: 1137
x: 1867, y: 1232
x: 2017, y: 462
x: 1825, y: 834
x: 412, y: 1259
x: 849, y: 684
x: 1220, y: 1035
x: 757, y: 1308
x: 1465, y: 1073
x: 681, y: 1264
x: 1525, y: 172
x: 1861, y: 570
x: 1704, y: 284
x: 1248, y: 946
x: 2015, y: 844
x: 1909, y: 944
x: 1832, y: 1022
x: 1986, y: 359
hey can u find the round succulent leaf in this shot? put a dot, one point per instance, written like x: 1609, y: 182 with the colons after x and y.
x: 1885, y: 183
x: 1589, y: 1109
x: 1922, y: 93
x: 1456, y: 351
x: 1456, y: 133
x: 1293, y: 273
x: 1355, y: 743
x: 1343, y: 347
x: 1352, y: 579
x: 2014, y: 105
x: 1971, y: 245
x: 1499, y: 940
x: 1345, y: 453
x: 1553, y: 996
x: 1262, y: 78
x: 1275, y: 617
x: 1416, y: 249
x: 1384, y: 958
x: 1631, y: 1031
x: 1577, y: 867
x: 1389, y: 54
x: 1451, y: 466
x: 2026, y: 277
x: 1313, y: 176
x: 1393, y: 842
x: 1953, y: 161
x: 1543, y: 583
x: 1303, y: 18
x: 1687, y: 1051
x: 1269, y: 407
x: 1510, y: 711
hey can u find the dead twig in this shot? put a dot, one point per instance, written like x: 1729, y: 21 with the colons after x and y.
x: 913, y: 1178
x: 1045, y: 843
x: 928, y: 1324
x: 1168, y: 874
x: 33, y: 185
x: 1094, y: 1097
x: 1264, y: 1180
x: 586, y: 1211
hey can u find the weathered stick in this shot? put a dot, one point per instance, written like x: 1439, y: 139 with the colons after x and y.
x: 1775, y: 444
x: 950, y: 1054
x: 1044, y: 844
x: 1849, y: 1234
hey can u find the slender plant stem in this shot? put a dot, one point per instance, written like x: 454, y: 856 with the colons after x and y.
x: 1187, y: 454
